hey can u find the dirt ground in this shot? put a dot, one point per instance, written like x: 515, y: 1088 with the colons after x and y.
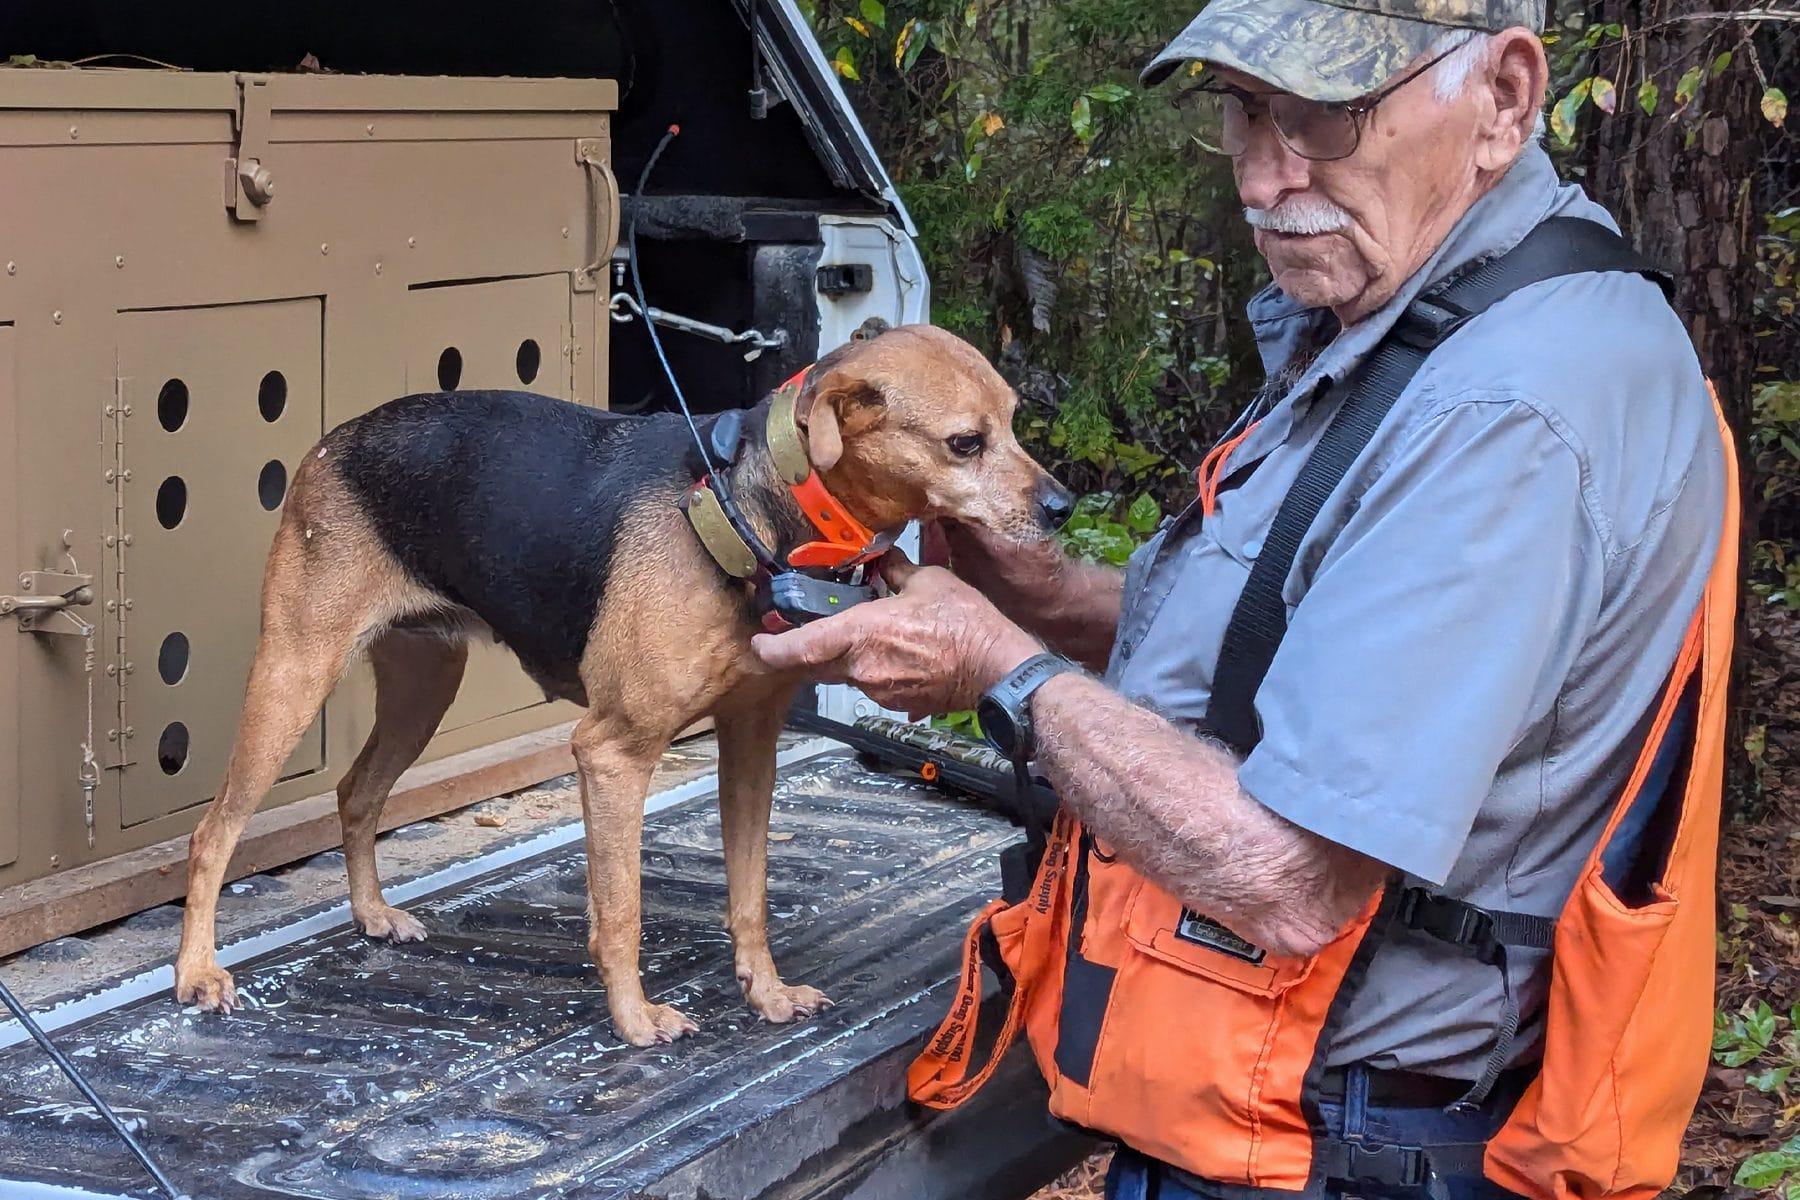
x: 1759, y: 940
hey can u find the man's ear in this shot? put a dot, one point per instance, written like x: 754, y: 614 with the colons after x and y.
x: 1517, y: 75
x: 841, y: 405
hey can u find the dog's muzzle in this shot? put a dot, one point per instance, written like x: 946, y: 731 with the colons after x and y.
x: 1054, y: 504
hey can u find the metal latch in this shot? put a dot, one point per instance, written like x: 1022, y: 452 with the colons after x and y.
x: 840, y: 279
x: 624, y: 307
x: 249, y: 184
x: 49, y: 595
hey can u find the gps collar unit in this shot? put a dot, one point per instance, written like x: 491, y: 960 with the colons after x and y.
x: 818, y: 578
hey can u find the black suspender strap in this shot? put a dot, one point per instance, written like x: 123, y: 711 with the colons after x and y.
x: 1557, y: 247
x: 1259, y: 621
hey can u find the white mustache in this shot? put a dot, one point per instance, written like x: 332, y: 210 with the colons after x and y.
x: 1299, y: 214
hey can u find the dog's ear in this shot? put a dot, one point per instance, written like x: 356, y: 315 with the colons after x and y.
x: 841, y: 405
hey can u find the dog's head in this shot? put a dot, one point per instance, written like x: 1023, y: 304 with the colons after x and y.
x: 913, y: 423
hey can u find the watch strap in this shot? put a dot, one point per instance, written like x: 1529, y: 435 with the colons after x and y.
x: 1012, y: 694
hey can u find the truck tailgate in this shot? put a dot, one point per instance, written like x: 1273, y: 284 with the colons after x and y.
x: 480, y: 1063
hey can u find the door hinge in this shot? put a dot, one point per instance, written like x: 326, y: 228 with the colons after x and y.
x: 117, y: 610
x: 249, y: 183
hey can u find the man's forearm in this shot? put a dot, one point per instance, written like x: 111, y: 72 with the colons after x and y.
x: 1078, y: 615
x: 1169, y: 803
x: 1071, y: 605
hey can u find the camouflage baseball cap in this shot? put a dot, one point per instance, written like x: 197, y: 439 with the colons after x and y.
x: 1330, y: 49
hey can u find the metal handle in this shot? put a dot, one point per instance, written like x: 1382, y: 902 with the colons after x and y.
x: 603, y: 226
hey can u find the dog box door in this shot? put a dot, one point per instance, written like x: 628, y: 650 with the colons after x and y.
x: 506, y: 334
x: 222, y: 402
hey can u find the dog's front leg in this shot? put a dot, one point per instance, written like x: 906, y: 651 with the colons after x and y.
x: 747, y: 733
x: 614, y: 763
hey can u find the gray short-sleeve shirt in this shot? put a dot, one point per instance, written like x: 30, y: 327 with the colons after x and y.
x: 1483, y: 615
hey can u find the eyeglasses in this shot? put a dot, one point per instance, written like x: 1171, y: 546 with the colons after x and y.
x: 1319, y: 130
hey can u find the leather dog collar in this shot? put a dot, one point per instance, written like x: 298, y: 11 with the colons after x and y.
x: 844, y: 542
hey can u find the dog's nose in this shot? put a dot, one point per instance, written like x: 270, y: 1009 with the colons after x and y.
x: 1055, y: 503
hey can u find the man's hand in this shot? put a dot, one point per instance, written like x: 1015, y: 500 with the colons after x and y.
x: 1070, y: 604
x: 934, y: 646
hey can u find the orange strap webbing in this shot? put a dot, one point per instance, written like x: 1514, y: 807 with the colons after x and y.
x: 939, y: 1077
x: 1212, y: 469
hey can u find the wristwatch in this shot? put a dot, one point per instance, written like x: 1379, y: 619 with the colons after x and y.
x: 1005, y: 708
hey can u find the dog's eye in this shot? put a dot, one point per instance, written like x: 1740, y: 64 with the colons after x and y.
x: 964, y: 445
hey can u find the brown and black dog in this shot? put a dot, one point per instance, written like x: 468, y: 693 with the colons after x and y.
x: 557, y: 530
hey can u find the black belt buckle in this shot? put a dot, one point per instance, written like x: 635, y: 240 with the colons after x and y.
x: 1454, y: 921
x: 1394, y: 1166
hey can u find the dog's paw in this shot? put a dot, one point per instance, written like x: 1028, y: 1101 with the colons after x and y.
x: 207, y: 988
x: 779, y: 1003
x: 651, y: 1024
x: 391, y: 923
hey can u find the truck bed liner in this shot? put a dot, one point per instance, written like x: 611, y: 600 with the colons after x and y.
x: 480, y: 1064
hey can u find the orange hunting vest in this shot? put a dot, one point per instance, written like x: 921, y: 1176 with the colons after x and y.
x: 1160, y: 1029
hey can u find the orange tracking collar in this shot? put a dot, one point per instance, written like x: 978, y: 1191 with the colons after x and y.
x: 844, y: 542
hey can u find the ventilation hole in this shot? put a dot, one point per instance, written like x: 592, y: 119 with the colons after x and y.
x: 172, y: 659
x: 171, y: 502
x: 271, y: 485
x: 530, y: 358
x: 449, y: 368
x: 172, y: 748
x: 271, y: 396
x: 172, y: 405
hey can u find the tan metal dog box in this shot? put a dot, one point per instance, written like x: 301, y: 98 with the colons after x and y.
x: 200, y: 274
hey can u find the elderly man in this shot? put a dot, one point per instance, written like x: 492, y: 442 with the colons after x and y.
x: 1425, y: 685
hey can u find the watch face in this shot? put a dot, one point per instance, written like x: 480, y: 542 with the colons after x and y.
x: 997, y: 725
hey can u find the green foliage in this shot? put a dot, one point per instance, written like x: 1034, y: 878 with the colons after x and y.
x: 1073, y: 229
x: 1766, y: 1170
x: 1105, y: 528
x: 1758, y: 1037
x: 1773, y: 439
x: 1058, y: 228
x: 1746, y: 1036
x: 962, y: 722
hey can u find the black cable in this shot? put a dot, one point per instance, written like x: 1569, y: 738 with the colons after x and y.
x: 720, y: 486
x: 637, y: 283
x: 88, y: 1093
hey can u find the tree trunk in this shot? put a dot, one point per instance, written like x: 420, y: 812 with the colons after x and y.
x: 1680, y: 183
